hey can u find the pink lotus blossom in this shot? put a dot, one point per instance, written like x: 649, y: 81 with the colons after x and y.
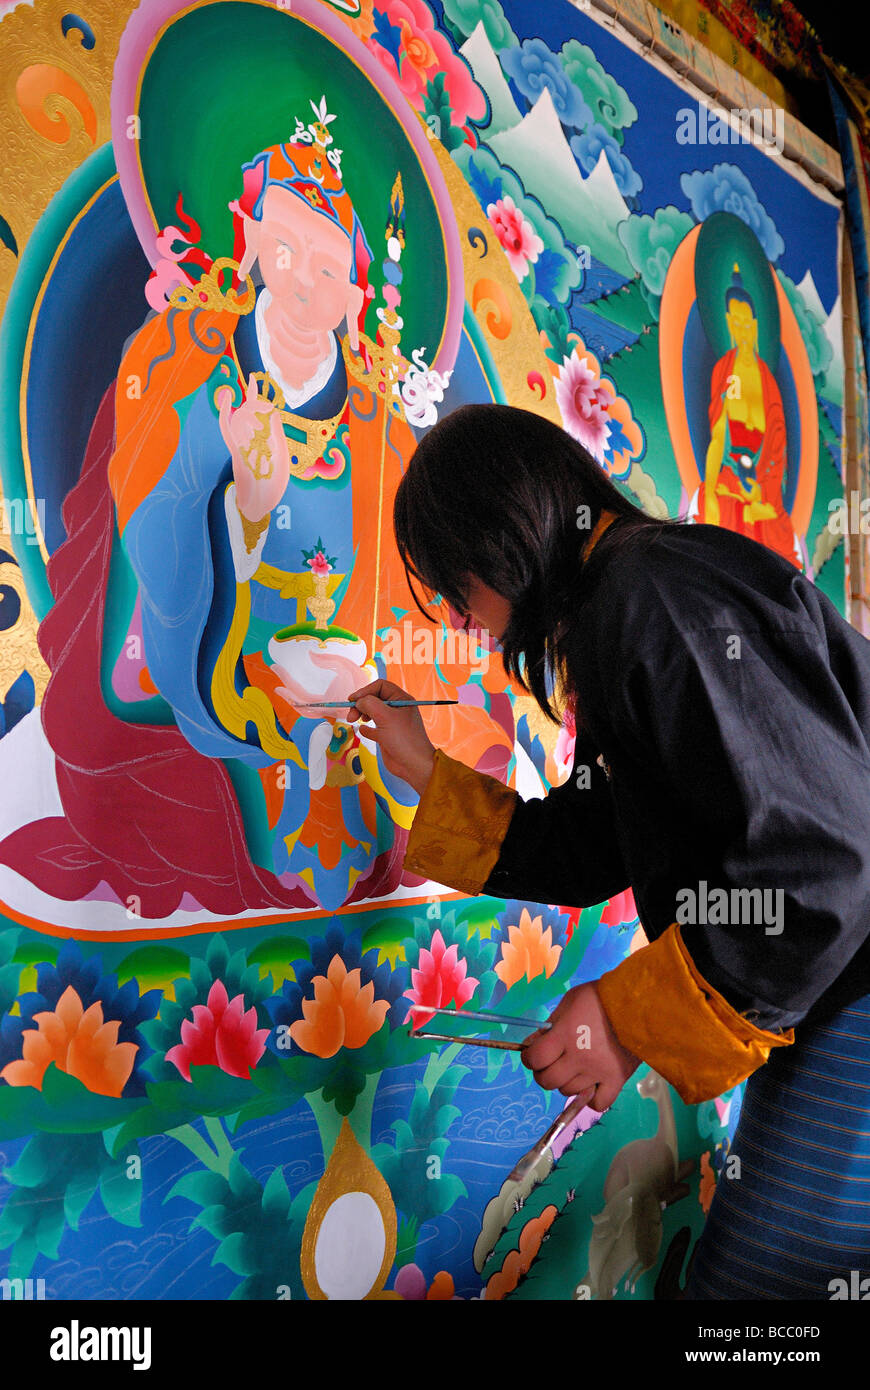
x: 517, y: 237
x: 440, y: 979
x: 424, y: 52
x: 221, y: 1034
x: 584, y: 404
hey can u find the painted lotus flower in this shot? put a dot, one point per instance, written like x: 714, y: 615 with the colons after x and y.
x: 79, y: 1042
x: 317, y: 561
x: 440, y: 979
x: 221, y: 1034
x: 528, y: 952
x: 407, y: 43
x: 517, y: 237
x: 341, y: 992
x: 584, y: 403
x: 594, y: 413
x: 528, y: 939
x: 343, y: 1012
x: 120, y: 1004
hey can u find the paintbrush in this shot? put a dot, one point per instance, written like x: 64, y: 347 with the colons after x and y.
x: 487, y: 1018
x: 528, y: 1160
x: 470, y: 1042
x: 393, y: 704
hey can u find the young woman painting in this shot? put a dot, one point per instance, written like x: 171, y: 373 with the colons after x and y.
x: 721, y: 769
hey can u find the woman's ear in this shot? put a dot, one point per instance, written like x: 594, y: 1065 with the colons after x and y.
x: 355, y: 300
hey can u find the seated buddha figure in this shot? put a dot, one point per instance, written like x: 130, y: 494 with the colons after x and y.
x: 742, y: 487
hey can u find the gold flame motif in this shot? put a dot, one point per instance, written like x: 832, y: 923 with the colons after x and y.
x: 340, y: 1232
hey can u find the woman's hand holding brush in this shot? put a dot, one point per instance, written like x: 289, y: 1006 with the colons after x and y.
x: 400, y: 733
x: 579, y: 1054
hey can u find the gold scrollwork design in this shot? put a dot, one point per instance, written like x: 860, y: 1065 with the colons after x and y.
x: 268, y: 389
x: 307, y: 439
x: 208, y: 294
x: 301, y: 587
x: 263, y: 465
x: 318, y: 434
x: 387, y: 368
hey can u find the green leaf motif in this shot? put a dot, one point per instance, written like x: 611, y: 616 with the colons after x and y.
x: 418, y: 1186
x: 54, y: 1180
x: 170, y: 1104
x: 63, y: 1106
x: 439, y: 114
x: 258, y: 1228
x: 121, y: 1189
x: 8, y: 943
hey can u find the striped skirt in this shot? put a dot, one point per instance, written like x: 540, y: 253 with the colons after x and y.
x: 796, y: 1215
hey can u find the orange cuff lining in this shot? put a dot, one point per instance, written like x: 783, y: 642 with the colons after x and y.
x: 459, y: 826
x: 666, y: 1013
x: 745, y: 1030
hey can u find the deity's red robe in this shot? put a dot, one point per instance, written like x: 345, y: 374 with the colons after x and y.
x: 776, y: 532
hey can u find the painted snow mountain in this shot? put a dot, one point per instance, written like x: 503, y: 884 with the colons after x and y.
x: 589, y: 209
x: 832, y: 326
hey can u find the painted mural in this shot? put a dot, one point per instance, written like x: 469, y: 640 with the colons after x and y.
x: 250, y: 253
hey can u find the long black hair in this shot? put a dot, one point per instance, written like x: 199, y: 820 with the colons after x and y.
x: 504, y: 496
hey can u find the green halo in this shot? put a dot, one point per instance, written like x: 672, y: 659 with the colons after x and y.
x: 722, y: 240
x: 226, y: 81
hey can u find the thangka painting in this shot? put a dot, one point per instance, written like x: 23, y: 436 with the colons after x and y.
x: 249, y: 254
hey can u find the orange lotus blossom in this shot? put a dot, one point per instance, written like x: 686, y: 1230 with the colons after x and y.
x: 342, y: 1013
x: 529, y: 951
x: 78, y: 1042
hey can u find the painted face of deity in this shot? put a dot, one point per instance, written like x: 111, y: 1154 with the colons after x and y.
x: 306, y: 263
x: 742, y: 323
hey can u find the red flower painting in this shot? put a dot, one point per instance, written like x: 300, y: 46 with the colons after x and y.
x: 222, y: 1034
x: 440, y: 980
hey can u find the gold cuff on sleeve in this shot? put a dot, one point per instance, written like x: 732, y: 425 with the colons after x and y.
x: 459, y: 826
x: 666, y: 1013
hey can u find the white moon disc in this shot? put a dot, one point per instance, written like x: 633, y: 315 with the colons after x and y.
x: 350, y: 1246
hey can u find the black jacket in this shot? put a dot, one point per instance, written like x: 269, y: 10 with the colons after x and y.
x: 730, y: 702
